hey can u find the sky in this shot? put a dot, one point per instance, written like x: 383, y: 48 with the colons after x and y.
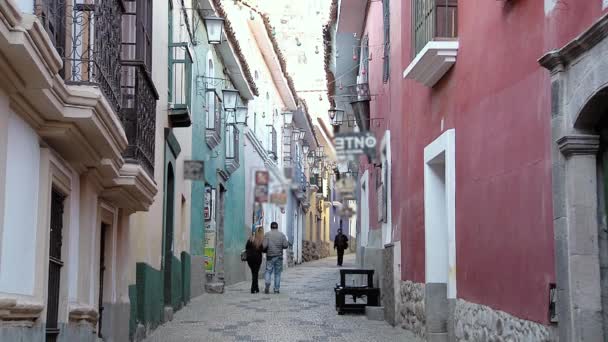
x: 299, y: 28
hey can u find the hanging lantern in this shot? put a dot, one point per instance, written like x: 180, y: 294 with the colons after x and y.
x: 305, y: 148
x: 214, y: 27
x: 320, y: 98
x: 336, y: 116
x: 311, y: 158
x: 317, y: 49
x: 363, y: 71
x: 288, y: 117
x: 230, y: 98
x: 241, y: 115
x: 251, y: 17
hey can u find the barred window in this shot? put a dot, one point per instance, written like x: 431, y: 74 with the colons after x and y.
x: 434, y: 19
x: 387, y: 39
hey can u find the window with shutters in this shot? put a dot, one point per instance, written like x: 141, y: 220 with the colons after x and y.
x: 434, y: 20
x: 387, y: 42
x: 232, y: 148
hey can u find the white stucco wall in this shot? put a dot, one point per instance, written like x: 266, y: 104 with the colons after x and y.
x: 17, y: 258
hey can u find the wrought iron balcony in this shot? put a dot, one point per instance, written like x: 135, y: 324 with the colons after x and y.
x: 87, y: 35
x: 138, y: 114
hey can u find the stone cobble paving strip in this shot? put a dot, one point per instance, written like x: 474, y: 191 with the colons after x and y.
x: 303, y: 312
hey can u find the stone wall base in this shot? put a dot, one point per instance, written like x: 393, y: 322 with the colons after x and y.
x: 479, y: 323
x: 410, y: 308
x: 315, y: 250
x: 472, y: 322
x: 16, y: 332
x: 115, y: 322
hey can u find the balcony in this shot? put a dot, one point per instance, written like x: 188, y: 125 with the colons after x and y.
x: 96, y: 52
x: 138, y: 114
x: 232, y: 148
x: 87, y: 36
x: 435, y: 40
x: 180, y: 80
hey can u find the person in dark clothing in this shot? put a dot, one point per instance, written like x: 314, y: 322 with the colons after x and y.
x: 340, y: 244
x: 254, y: 250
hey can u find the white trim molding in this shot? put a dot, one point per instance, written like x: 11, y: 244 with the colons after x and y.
x: 440, y: 211
x: 432, y: 62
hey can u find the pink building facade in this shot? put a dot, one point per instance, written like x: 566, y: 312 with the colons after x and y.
x: 491, y: 116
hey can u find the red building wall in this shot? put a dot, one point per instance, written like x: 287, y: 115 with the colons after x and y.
x: 497, y: 98
x: 386, y: 106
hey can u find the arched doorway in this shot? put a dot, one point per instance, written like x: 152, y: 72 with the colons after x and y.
x: 579, y: 142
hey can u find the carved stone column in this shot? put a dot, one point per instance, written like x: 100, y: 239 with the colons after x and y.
x: 576, y: 239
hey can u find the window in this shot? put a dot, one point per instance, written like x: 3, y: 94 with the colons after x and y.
x: 273, y: 142
x: 144, y: 32
x: 232, y: 148
x: 387, y: 39
x: 364, y: 65
x: 213, y: 116
x: 434, y: 19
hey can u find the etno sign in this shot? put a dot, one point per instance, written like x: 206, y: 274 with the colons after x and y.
x: 353, y: 144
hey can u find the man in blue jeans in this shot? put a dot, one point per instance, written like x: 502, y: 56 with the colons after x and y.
x: 274, y: 244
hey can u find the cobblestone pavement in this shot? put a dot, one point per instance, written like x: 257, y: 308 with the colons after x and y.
x: 304, y: 311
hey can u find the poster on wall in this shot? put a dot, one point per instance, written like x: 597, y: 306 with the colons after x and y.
x: 258, y: 216
x: 208, y: 207
x: 209, y: 250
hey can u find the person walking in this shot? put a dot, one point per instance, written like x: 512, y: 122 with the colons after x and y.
x: 274, y: 244
x: 253, y: 249
x: 340, y: 244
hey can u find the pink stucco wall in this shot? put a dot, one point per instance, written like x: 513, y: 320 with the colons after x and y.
x: 497, y: 98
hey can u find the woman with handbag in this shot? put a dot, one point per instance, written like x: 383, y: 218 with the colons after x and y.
x: 253, y: 252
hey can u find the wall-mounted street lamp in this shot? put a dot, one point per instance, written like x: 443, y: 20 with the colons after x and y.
x: 241, y: 115
x: 297, y: 134
x: 311, y: 158
x: 214, y: 27
x: 288, y: 117
x: 336, y: 116
x: 230, y: 98
x: 305, y: 148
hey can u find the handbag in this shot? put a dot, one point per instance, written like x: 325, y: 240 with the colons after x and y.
x: 244, y: 255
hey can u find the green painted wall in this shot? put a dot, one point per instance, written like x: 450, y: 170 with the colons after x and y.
x: 149, y: 295
x: 235, y: 232
x: 186, y: 269
x: 234, y: 222
x: 177, y: 288
x: 200, y: 150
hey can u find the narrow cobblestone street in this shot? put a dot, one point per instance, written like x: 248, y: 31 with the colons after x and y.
x: 303, y: 311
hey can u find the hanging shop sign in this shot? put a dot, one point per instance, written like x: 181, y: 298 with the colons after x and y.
x: 346, y: 187
x: 194, y: 170
x: 355, y: 144
x: 279, y: 198
x: 262, y: 178
x: 261, y: 193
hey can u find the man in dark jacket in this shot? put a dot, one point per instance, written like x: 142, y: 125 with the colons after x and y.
x: 340, y: 244
x: 274, y: 244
